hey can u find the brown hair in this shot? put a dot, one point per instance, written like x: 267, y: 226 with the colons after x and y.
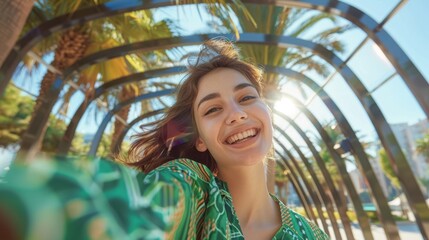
x: 175, y: 135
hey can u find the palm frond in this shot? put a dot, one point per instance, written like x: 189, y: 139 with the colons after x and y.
x: 308, y: 23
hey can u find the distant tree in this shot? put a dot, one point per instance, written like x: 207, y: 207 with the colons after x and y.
x: 422, y: 146
x: 15, y: 113
x: 388, y: 170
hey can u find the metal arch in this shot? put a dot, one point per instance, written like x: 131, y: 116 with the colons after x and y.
x: 357, y: 147
x: 341, y: 208
x: 97, y: 138
x: 313, y: 192
x: 365, y: 167
x: 396, y: 156
x: 326, y: 199
x: 400, y: 61
x: 384, y: 212
x: 354, y: 197
x: 385, y: 133
x: 297, y: 185
x: 408, y: 181
x: 118, y: 142
x: 142, y: 76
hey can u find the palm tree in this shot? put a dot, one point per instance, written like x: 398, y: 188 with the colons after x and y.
x: 72, y: 45
x: 284, y: 21
x: 12, y: 19
x: 139, y: 26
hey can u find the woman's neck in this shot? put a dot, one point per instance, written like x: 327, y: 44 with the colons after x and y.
x: 250, y: 197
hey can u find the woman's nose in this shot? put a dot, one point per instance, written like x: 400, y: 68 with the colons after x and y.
x: 236, y: 114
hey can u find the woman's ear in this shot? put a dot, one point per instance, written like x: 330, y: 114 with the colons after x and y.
x: 200, y: 145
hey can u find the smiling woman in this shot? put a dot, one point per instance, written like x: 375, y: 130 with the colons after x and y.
x: 205, y: 158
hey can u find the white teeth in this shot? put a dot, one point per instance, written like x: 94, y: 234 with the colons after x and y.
x: 240, y: 136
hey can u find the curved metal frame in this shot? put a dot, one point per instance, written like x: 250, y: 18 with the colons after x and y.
x: 348, y: 183
x: 341, y: 208
x: 118, y: 142
x: 383, y: 209
x: 400, y: 61
x: 298, y: 187
x: 326, y: 199
x: 97, y: 138
x: 362, y: 217
x: 67, y: 138
x: 385, y: 133
x: 313, y: 191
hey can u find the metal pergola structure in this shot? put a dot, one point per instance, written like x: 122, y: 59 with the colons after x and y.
x: 321, y: 192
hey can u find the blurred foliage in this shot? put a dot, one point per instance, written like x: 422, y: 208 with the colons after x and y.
x: 81, y: 144
x: 15, y: 112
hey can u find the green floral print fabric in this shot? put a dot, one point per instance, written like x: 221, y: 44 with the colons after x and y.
x: 101, y: 199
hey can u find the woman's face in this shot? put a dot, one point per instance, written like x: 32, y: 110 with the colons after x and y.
x: 233, y: 122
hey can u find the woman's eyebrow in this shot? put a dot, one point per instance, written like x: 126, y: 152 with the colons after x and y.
x: 243, y: 85
x: 216, y: 95
x: 208, y: 97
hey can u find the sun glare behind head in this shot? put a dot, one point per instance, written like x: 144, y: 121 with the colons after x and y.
x: 286, y: 106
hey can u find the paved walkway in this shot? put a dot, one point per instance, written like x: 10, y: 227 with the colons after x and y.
x: 407, y: 231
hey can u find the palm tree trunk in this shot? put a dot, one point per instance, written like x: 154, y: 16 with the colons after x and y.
x: 71, y: 47
x: 13, y: 15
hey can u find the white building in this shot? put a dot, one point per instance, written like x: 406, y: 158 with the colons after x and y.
x: 407, y: 136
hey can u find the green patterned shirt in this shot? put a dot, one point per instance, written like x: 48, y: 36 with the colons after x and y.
x: 100, y: 199
x: 202, y: 206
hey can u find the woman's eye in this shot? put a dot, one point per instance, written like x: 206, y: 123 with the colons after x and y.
x: 211, y: 110
x: 247, y: 98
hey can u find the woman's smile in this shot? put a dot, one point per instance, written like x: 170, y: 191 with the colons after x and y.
x: 242, y: 136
